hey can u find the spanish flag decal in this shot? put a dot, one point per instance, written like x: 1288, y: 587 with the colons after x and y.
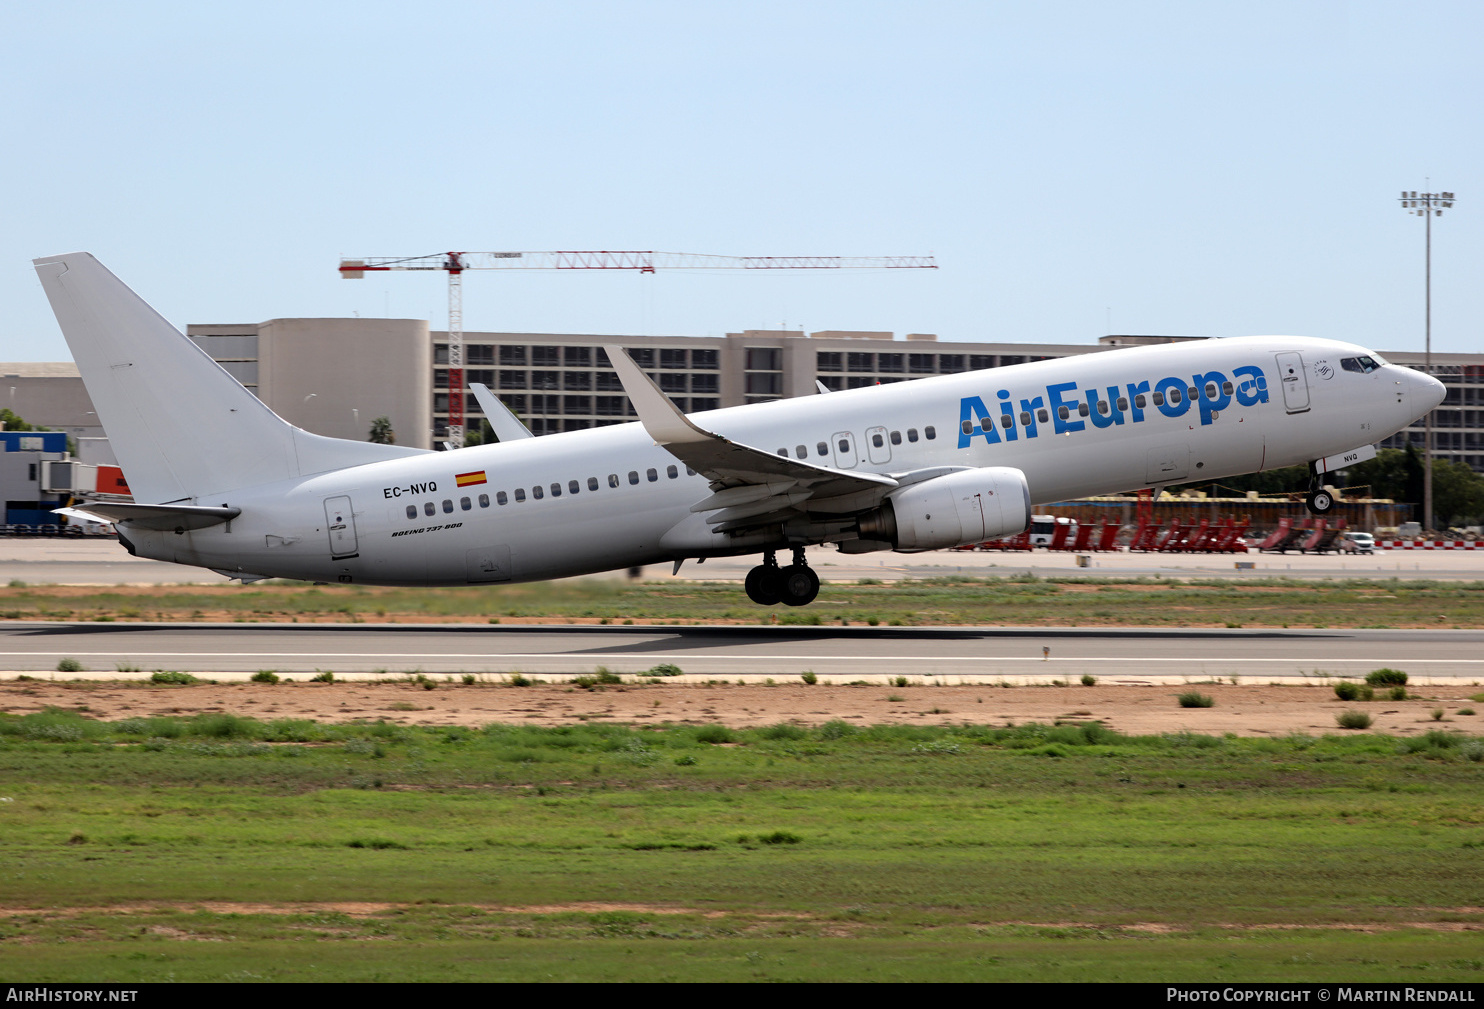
x: 470, y: 479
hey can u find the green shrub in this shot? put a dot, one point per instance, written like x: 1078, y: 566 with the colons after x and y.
x: 783, y: 730
x: 780, y: 837
x: 1437, y: 714
x: 666, y: 669
x: 172, y: 677
x: 900, y: 681
x: 604, y: 676
x: 69, y: 666
x: 323, y: 677
x: 1386, y: 678
x: 469, y: 679
x: 1193, y: 699
x: 1353, y: 720
x: 715, y: 734
x: 517, y: 680
x: 836, y: 729
x: 1465, y: 711
x: 808, y: 677
x: 1398, y: 694
x: 264, y: 676
x: 1089, y: 680
x: 1347, y: 691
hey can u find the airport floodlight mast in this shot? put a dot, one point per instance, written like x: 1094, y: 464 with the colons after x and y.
x: 455, y: 263
x: 1427, y: 205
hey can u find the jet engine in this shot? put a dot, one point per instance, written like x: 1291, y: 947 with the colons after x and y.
x: 969, y: 506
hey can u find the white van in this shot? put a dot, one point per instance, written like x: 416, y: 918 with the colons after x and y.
x: 1043, y: 528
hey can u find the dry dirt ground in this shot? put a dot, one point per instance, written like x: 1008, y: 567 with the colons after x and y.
x: 1247, y: 710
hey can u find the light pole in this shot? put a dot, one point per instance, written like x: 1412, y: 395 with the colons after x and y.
x: 1428, y: 206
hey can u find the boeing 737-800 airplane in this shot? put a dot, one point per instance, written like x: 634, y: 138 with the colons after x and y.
x: 222, y: 482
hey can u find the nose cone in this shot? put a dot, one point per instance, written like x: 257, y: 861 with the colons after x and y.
x: 1427, y: 393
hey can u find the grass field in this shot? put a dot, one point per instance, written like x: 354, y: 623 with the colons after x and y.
x: 222, y: 848
x: 1018, y: 599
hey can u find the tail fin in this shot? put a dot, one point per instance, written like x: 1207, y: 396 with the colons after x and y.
x: 180, y: 425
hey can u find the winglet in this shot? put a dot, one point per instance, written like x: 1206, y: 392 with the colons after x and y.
x: 506, y: 425
x: 660, y: 417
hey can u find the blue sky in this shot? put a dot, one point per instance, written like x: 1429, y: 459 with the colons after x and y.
x: 1076, y: 168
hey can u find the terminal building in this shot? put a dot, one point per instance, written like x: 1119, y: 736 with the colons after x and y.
x: 336, y: 376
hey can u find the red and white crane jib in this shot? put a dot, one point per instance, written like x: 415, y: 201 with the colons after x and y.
x: 455, y: 263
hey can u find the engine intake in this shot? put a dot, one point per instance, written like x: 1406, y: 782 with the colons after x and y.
x: 970, y: 506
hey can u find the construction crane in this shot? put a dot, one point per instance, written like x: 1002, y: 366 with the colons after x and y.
x: 455, y: 263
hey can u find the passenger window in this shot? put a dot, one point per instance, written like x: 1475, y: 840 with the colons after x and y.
x: 912, y: 434
x: 672, y: 472
x: 878, y: 441
x: 1139, y: 400
x: 1006, y: 420
x: 930, y: 432
x: 896, y: 437
x: 968, y: 427
x: 430, y: 509
x: 633, y: 476
x: 500, y: 499
x: 520, y: 494
x: 1063, y: 412
x: 1025, y: 418
x: 556, y: 490
x: 447, y: 506
x: 1122, y: 404
x: 1159, y: 399
x: 1226, y: 388
x: 612, y: 479
x: 1193, y: 393
x: 691, y: 472
x: 592, y: 483
x: 1210, y: 390
x: 573, y: 487
x: 465, y: 503
x: 1044, y: 417
x: 652, y: 475
x: 844, y: 445
x: 823, y: 448
x: 412, y: 511
x: 1082, y: 410
x: 1174, y: 397
x: 484, y: 500
x: 537, y: 492
x: 985, y: 423
x: 783, y: 452
x: 801, y: 452
x: 1103, y: 407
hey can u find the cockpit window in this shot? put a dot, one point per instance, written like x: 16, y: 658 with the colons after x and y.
x: 1364, y: 364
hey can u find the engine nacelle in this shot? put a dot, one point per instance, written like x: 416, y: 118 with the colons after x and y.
x: 966, y: 507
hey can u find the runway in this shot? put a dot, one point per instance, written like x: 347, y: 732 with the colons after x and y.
x: 38, y: 561
x: 836, y: 654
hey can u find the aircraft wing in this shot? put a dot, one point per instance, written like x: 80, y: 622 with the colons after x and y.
x: 750, y: 486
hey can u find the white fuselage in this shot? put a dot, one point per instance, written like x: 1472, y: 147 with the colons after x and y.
x: 1277, y: 401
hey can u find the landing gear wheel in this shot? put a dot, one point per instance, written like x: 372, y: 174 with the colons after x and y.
x: 800, y: 585
x: 764, y: 585
x: 1321, y: 502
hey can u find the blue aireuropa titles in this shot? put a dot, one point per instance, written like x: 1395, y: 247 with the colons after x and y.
x: 1067, y: 409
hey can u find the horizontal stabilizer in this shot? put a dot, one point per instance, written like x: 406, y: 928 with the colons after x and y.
x: 145, y: 516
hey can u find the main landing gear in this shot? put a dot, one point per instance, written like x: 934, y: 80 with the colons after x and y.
x: 796, y: 585
x: 1319, y: 500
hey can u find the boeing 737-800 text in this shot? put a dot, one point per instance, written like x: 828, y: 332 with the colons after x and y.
x: 222, y: 482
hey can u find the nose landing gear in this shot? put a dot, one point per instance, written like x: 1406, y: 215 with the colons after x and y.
x: 796, y: 585
x: 1319, y: 500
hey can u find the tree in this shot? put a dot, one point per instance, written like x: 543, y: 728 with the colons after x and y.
x: 12, y: 422
x: 381, y: 431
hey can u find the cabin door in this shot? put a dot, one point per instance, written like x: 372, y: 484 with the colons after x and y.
x: 341, y: 522
x: 877, y: 447
x: 1295, y: 383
